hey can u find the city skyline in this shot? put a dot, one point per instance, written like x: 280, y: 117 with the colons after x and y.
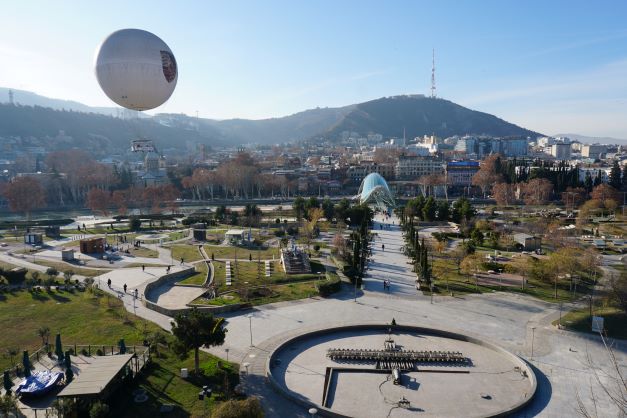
x: 550, y: 68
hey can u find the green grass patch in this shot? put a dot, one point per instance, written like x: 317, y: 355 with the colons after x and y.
x: 241, y: 253
x: 143, y: 252
x: 163, y: 385
x: 275, y: 293
x: 448, y: 280
x: 63, y: 267
x: 186, y: 252
x: 614, y: 321
x: 80, y: 317
x: 199, y: 277
x: 250, y: 274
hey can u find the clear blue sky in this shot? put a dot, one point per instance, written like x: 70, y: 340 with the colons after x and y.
x: 551, y: 66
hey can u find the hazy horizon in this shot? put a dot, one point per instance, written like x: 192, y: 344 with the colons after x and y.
x: 556, y: 67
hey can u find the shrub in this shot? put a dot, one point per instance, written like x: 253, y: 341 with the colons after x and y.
x: 279, y: 233
x: 52, y: 272
x: 48, y: 283
x: 246, y: 408
x: 98, y: 410
x: 329, y: 286
x: 15, y: 276
x: 134, y: 223
x: 99, y: 352
x: 317, y: 247
x: 292, y: 230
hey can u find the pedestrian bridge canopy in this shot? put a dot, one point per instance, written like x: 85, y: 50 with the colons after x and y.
x: 374, y: 190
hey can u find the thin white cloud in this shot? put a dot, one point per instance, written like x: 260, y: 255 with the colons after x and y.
x: 575, y: 45
x: 607, y: 79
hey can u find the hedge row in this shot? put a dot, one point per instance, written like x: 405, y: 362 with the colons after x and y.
x: 329, y: 286
x: 30, y: 224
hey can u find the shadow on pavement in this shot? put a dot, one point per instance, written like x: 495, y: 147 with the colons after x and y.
x: 541, y: 398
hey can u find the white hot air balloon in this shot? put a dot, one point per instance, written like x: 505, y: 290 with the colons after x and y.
x: 136, y: 69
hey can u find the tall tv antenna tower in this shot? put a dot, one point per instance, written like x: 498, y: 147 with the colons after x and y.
x: 11, y: 102
x: 433, y: 75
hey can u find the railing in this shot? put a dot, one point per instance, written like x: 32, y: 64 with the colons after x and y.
x: 41, y: 355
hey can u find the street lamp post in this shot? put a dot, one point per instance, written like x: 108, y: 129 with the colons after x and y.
x: 533, y: 334
x: 250, y: 323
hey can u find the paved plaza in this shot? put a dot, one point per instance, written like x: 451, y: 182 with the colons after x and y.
x: 485, y: 382
x: 514, y: 322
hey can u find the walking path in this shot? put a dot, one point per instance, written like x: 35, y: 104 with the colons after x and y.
x: 135, y: 278
x: 389, y: 263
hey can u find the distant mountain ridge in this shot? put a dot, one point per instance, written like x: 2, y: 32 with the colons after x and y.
x: 417, y: 115
x: 411, y: 115
x: 27, y: 98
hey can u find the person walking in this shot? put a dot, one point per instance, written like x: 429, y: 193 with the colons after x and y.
x: 124, y: 287
x: 109, y: 283
x: 382, y: 247
x: 136, y: 293
x: 143, y: 267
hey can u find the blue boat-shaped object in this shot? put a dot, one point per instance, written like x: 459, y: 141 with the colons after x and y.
x: 39, y: 383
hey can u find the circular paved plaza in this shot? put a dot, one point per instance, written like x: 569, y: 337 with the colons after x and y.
x: 365, y: 370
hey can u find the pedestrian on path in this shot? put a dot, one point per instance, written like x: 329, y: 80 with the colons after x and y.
x: 109, y: 283
x: 182, y: 260
x: 136, y: 293
x: 124, y: 287
x: 143, y: 267
x: 382, y: 247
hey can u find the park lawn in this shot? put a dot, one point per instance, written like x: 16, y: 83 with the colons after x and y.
x: 80, y: 317
x: 174, y: 236
x: 246, y: 274
x: 614, y: 321
x: 186, y: 252
x: 448, y: 280
x: 163, y: 385
x: 199, y: 277
x: 63, y: 267
x: 290, y: 291
x: 226, y: 299
x: 229, y: 252
x: 143, y: 252
x: 281, y: 293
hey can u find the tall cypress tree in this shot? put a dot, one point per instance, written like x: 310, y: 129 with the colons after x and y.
x: 615, y: 176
